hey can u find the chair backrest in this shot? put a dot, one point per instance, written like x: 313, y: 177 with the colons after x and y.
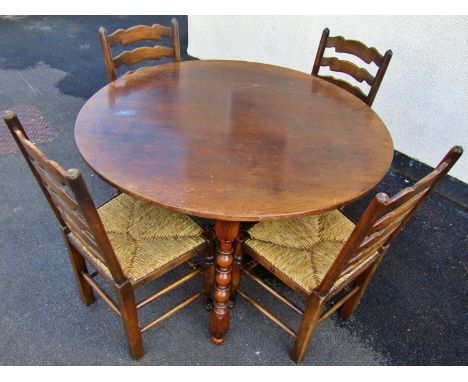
x: 358, y: 49
x: 134, y: 34
x: 69, y: 199
x: 383, y: 219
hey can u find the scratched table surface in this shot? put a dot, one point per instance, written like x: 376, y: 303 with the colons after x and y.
x: 233, y: 140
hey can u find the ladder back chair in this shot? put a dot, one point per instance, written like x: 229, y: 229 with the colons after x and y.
x: 128, y: 242
x: 134, y: 34
x: 359, y: 50
x: 327, y: 258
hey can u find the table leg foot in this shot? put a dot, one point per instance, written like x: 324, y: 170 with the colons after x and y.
x: 217, y: 341
x: 219, y: 324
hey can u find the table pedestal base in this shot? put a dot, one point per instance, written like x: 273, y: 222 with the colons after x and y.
x: 226, y: 232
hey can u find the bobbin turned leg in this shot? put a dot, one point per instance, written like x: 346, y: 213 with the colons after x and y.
x: 236, y: 266
x: 226, y: 232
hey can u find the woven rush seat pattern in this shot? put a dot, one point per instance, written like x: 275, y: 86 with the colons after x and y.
x: 146, y: 237
x: 303, y: 249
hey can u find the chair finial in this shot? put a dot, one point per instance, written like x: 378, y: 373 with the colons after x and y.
x: 9, y: 115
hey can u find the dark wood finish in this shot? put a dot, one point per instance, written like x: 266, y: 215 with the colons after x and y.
x: 169, y: 288
x: 310, y: 320
x: 79, y: 271
x: 237, y: 141
x: 134, y: 34
x: 352, y: 271
x: 128, y: 311
x: 226, y: 232
x: 106, y: 298
x: 362, y: 281
x: 209, y: 269
x: 237, y: 265
x: 173, y: 310
x: 84, y: 233
x: 358, y: 49
x: 267, y: 313
x: 338, y: 304
x: 95, y: 227
x: 176, y: 40
x: 275, y: 293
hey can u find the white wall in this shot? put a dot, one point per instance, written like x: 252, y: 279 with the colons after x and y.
x: 423, y: 98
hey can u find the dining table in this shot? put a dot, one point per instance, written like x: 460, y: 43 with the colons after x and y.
x: 233, y: 141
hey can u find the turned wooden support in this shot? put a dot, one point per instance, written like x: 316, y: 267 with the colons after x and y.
x: 226, y: 232
x: 209, y: 270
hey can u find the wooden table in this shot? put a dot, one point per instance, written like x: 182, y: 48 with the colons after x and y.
x: 233, y: 141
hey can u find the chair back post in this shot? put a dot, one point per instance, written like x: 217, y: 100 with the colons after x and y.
x: 53, y: 181
x: 106, y: 51
x: 14, y: 126
x: 383, y: 219
x: 89, y: 211
x: 375, y: 207
x: 441, y: 170
x: 175, y: 39
x: 320, y: 51
x: 379, y: 77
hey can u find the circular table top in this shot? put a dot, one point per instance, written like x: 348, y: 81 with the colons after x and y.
x: 233, y: 140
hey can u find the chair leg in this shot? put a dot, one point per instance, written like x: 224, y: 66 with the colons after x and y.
x: 129, y: 315
x: 209, y: 271
x: 236, y: 267
x: 363, y: 280
x: 309, y: 322
x: 79, y: 265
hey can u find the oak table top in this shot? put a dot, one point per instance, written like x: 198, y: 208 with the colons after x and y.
x: 233, y: 140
